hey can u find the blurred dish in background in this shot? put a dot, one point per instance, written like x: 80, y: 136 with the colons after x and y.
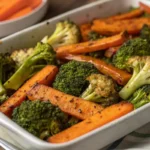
x: 16, y: 15
x: 17, y: 8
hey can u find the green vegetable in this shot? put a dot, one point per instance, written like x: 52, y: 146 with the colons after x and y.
x: 3, y: 98
x: 141, y: 96
x: 97, y: 54
x: 7, y: 67
x: 140, y: 77
x: 19, y: 56
x: 40, y: 118
x: 71, y: 78
x: 133, y: 47
x: 101, y: 90
x: 146, y: 15
x: 145, y: 32
x: 107, y: 60
x: 43, y: 54
x: 94, y: 36
x: 66, y: 33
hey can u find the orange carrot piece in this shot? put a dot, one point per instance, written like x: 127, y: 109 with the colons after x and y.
x: 45, y: 76
x: 109, y: 114
x: 128, y: 15
x: 144, y: 7
x: 3, y: 3
x: 85, y: 29
x: 20, y: 13
x: 72, y: 105
x: 34, y: 3
x: 12, y: 7
x: 91, y: 46
x: 120, y: 76
x: 111, y: 51
x: 132, y: 26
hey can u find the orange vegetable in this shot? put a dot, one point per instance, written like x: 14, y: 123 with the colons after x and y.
x: 144, y: 7
x: 85, y: 29
x: 132, y: 26
x: 12, y: 7
x: 34, y: 3
x: 3, y: 3
x: 128, y: 15
x: 111, y: 51
x: 120, y: 76
x: 72, y: 105
x: 45, y: 76
x: 20, y: 13
x: 91, y: 46
x: 107, y: 115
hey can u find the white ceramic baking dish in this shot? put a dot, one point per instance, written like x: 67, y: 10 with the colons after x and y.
x: 97, y: 138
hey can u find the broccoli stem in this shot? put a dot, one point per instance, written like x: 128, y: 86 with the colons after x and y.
x: 35, y: 69
x: 93, y: 97
x: 87, y: 91
x: 22, y: 74
x: 138, y: 79
x: 18, y: 78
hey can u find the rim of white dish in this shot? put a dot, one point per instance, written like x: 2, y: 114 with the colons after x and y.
x: 44, y: 2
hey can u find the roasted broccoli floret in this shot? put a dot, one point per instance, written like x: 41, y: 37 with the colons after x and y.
x: 7, y: 67
x: 133, y: 47
x: 141, y: 96
x: 66, y: 33
x: 40, y: 118
x: 145, y: 32
x: 19, y: 56
x: 101, y: 90
x: 43, y: 54
x: 71, y: 78
x: 140, y: 77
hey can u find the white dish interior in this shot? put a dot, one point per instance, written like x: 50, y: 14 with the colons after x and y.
x: 93, y: 140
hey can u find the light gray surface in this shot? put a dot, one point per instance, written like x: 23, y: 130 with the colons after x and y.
x: 97, y: 138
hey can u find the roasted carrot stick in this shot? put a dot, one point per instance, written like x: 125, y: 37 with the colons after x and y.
x: 144, y: 7
x: 107, y: 115
x: 20, y: 13
x: 45, y: 76
x: 91, y: 46
x: 118, y: 75
x: 72, y: 105
x: 85, y: 29
x: 12, y: 7
x: 129, y: 15
x: 3, y: 3
x: 111, y: 51
x: 132, y: 26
